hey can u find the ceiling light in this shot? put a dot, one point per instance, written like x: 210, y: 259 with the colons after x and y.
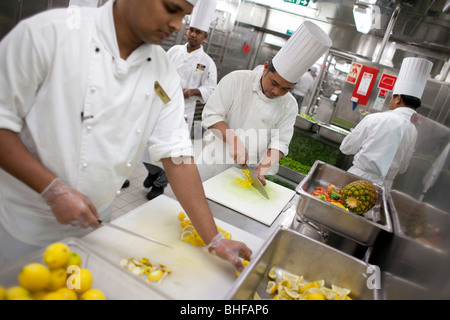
x: 367, y: 17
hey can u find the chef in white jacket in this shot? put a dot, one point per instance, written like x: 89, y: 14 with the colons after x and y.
x: 198, y: 74
x: 82, y: 93
x: 197, y: 70
x: 383, y: 143
x: 250, y: 116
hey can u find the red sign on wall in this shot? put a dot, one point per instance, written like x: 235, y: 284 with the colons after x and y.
x: 387, y: 82
x: 364, y: 85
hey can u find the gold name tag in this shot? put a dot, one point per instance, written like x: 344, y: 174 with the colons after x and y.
x: 161, y: 93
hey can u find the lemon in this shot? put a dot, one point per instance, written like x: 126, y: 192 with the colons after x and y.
x: 34, y: 277
x: 308, y: 286
x: 245, y: 263
x: 55, y: 295
x: 81, y: 281
x: 74, y: 259
x: 56, y: 255
x: 272, y: 273
x: 271, y: 287
x: 290, y: 277
x: 342, y: 292
x: 68, y: 293
x: 38, y: 295
x: 58, y: 279
x: 155, y: 275
x: 291, y: 293
x: 93, y: 294
x: 181, y: 215
x: 2, y: 293
x: 315, y: 296
x: 17, y: 292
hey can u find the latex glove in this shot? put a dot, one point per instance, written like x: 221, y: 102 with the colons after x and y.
x: 70, y: 206
x: 238, y: 151
x: 229, y: 250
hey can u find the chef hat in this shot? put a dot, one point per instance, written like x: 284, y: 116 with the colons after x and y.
x: 193, y: 2
x: 301, y: 51
x: 412, y: 77
x: 203, y: 14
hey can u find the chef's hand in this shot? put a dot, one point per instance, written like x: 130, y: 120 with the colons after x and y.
x: 260, y: 174
x: 70, y: 206
x: 229, y: 250
x: 238, y: 151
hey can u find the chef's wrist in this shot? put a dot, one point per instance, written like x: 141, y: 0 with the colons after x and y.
x: 214, y: 243
x: 53, y: 190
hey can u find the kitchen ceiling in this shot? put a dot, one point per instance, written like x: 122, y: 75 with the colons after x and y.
x: 420, y: 22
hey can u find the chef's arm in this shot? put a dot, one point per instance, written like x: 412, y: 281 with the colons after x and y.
x: 66, y: 203
x: 272, y: 157
x: 187, y: 93
x: 237, y: 148
x: 185, y: 182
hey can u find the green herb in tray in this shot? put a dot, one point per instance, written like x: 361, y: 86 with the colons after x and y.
x: 307, y: 117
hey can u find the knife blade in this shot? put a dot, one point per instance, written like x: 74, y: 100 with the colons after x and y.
x: 255, y: 181
x: 107, y: 224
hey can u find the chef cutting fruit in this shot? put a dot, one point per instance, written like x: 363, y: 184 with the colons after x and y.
x: 81, y: 97
x: 251, y: 114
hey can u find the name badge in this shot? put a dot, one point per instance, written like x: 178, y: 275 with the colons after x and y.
x: 200, y: 68
x: 161, y: 93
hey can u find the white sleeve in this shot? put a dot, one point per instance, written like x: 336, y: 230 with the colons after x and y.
x: 22, y: 67
x: 220, y: 102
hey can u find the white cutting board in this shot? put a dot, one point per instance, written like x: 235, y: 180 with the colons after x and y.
x: 196, y: 274
x: 224, y: 189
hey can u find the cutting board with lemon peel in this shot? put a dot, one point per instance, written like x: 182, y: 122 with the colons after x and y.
x: 196, y: 274
x: 225, y: 190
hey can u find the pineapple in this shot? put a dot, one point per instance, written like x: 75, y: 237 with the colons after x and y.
x: 359, y: 196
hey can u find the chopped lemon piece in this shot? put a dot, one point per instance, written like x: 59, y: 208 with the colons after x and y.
x: 271, y: 287
x: 290, y: 277
x: 315, y: 296
x: 155, y: 275
x: 291, y: 293
x: 181, y: 215
x: 272, y: 273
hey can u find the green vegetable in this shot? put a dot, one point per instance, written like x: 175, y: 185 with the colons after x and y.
x: 295, y: 165
x: 306, y: 151
x: 322, y: 197
x: 335, y: 195
x: 307, y: 117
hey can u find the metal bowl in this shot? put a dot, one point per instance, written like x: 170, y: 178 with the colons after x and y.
x: 292, y: 252
x: 363, y: 229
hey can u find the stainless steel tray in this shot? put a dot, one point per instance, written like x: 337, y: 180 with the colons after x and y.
x: 363, y: 229
x: 292, y: 252
x: 303, y: 123
x: 331, y: 133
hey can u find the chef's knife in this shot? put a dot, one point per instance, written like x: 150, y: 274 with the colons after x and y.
x: 107, y: 224
x: 255, y: 182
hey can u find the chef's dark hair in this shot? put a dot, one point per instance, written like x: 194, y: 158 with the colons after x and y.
x: 410, y: 101
x: 271, y: 68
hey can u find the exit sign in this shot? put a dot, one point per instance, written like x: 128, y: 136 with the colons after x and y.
x: 299, y: 2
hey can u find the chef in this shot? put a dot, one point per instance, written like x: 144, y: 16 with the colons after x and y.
x: 250, y: 116
x: 383, y: 143
x: 197, y: 70
x: 198, y: 75
x: 80, y: 100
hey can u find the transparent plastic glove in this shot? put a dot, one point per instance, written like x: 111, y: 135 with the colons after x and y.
x: 229, y: 250
x: 70, y: 206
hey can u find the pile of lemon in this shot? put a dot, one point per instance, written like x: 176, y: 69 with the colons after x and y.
x: 286, y: 286
x: 153, y: 272
x: 190, y: 235
x: 248, y: 181
x: 53, y: 280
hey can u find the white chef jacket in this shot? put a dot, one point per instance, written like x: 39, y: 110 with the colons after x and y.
x: 52, y: 76
x: 259, y: 122
x: 304, y: 85
x: 197, y: 71
x: 383, y: 144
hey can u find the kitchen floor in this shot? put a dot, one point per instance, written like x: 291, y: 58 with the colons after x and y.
x: 135, y: 195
